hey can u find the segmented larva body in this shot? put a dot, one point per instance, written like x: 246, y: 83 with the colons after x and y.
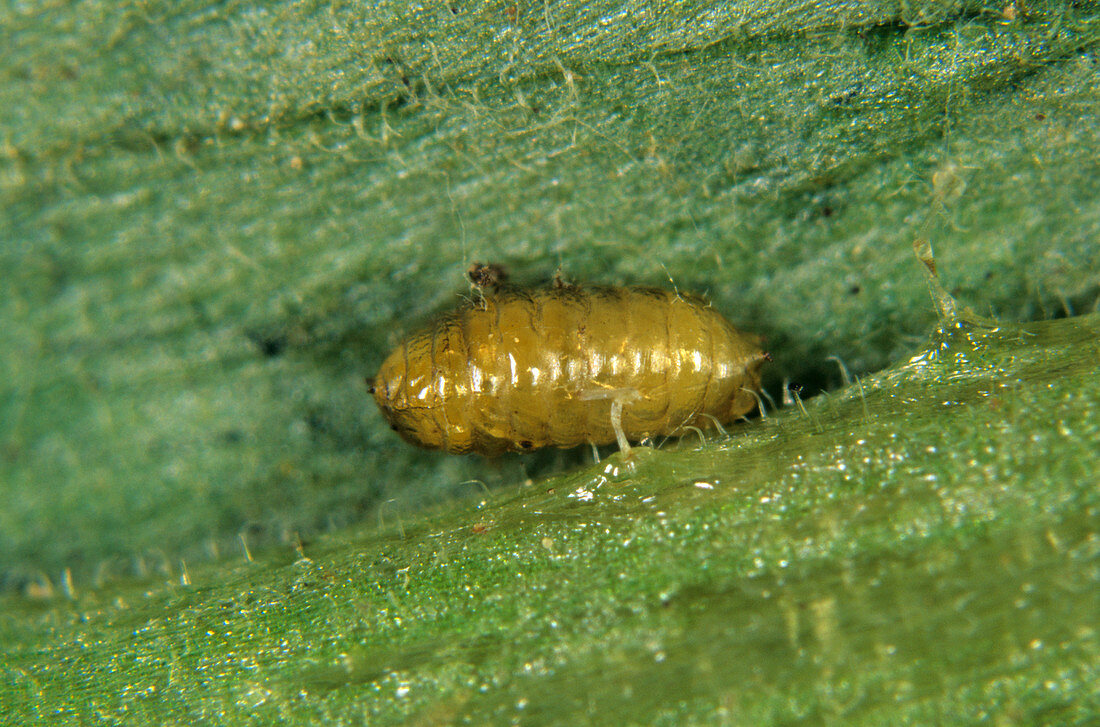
x: 527, y: 368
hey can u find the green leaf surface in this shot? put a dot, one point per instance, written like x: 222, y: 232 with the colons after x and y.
x: 921, y: 546
x: 217, y: 218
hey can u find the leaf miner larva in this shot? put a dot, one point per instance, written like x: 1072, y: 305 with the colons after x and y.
x: 564, y: 365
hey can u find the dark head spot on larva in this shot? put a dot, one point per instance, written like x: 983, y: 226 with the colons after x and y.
x: 489, y: 275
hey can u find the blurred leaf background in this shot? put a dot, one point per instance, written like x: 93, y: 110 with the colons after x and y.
x: 218, y: 217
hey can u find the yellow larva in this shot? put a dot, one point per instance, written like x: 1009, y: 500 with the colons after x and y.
x: 563, y: 365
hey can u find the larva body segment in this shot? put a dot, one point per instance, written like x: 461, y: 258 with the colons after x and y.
x: 530, y: 368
